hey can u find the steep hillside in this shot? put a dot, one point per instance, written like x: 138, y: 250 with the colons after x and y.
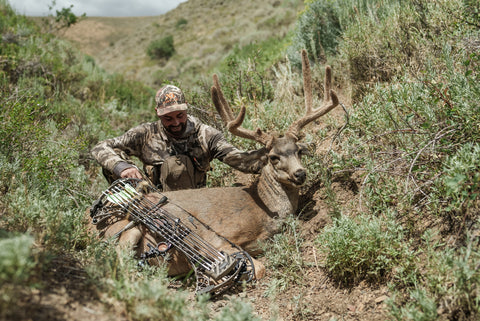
x: 388, y: 226
x: 204, y: 31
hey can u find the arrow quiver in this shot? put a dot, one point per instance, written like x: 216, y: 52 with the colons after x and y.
x: 216, y: 271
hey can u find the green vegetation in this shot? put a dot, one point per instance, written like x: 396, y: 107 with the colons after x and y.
x: 412, y: 137
x: 181, y: 22
x: 318, y: 31
x: 161, y: 48
x: 366, y: 248
x: 56, y: 104
x: 66, y: 17
x: 408, y: 74
x: 285, y: 258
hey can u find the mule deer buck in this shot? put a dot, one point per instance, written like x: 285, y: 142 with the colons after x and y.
x: 241, y: 215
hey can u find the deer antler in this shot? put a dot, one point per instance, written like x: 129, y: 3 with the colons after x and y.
x: 330, y: 99
x: 232, y: 123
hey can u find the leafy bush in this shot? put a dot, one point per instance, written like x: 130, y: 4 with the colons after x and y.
x: 460, y: 184
x: 451, y: 286
x: 16, y: 262
x: 285, y: 259
x: 16, y: 267
x: 19, y: 123
x: 245, y: 72
x: 317, y: 30
x: 472, y: 12
x: 366, y: 248
x: 181, y: 22
x: 377, y: 43
x: 416, y: 124
x: 162, y: 48
x: 66, y: 17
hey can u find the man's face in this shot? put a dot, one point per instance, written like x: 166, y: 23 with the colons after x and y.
x: 175, y: 122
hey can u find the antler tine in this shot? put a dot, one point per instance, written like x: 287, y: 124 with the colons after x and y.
x: 225, y: 111
x: 232, y: 123
x: 307, y: 82
x: 330, y: 99
x: 327, y: 84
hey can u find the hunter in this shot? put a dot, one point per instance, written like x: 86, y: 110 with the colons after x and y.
x: 176, y: 150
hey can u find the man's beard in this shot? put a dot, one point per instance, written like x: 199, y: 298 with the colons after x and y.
x: 178, y: 132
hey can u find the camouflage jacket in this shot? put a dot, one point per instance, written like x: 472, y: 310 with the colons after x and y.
x: 151, y: 144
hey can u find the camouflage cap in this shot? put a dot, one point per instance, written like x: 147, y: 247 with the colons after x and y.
x: 169, y: 98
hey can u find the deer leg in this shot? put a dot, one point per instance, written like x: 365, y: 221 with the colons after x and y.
x: 130, y: 238
x: 259, y: 269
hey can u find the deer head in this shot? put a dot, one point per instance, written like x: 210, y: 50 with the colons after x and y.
x: 284, y: 151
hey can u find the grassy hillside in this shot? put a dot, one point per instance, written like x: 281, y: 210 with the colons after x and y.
x: 204, y: 32
x: 388, y: 226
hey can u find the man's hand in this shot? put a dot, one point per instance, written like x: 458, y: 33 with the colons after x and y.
x: 131, y: 172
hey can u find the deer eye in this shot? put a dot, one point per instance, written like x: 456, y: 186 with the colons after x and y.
x: 274, y: 159
x: 303, y: 150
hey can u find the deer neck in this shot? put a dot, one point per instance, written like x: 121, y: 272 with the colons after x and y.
x: 280, y: 199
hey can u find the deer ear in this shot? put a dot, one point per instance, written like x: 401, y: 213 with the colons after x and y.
x: 304, y: 149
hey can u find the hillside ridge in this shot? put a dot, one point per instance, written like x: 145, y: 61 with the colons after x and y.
x: 204, y: 32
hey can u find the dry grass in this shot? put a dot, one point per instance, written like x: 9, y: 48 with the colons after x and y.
x: 213, y: 28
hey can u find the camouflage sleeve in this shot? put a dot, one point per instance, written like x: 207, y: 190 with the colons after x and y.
x: 108, y: 153
x: 244, y: 161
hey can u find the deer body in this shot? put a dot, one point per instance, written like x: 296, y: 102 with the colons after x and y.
x: 242, y: 215
x: 234, y: 212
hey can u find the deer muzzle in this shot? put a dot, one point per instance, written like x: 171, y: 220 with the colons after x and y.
x: 300, y: 176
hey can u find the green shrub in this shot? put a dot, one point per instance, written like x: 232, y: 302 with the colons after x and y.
x: 9, y: 19
x: 16, y: 269
x: 317, y: 30
x: 420, y: 307
x: 162, y: 48
x: 380, y: 40
x: 19, y: 121
x: 181, y: 22
x: 245, y: 72
x: 460, y: 183
x: 66, y: 18
x: 16, y: 261
x: 472, y: 12
x: 450, y: 284
x: 403, y: 133
x: 366, y: 248
x: 285, y: 258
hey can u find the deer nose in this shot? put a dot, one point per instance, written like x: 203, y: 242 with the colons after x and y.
x: 300, y: 176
